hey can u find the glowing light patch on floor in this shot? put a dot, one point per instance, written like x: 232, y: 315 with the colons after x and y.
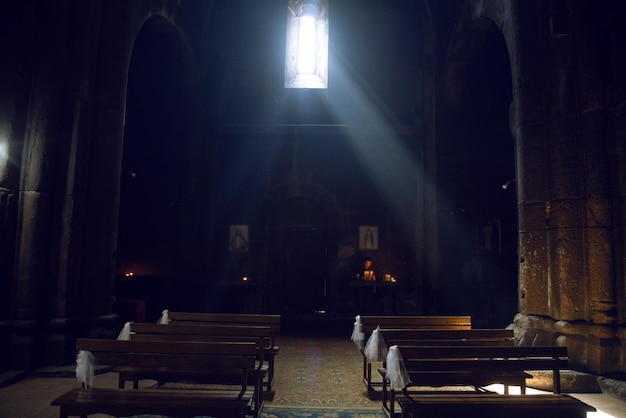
x: 515, y: 390
x: 598, y: 414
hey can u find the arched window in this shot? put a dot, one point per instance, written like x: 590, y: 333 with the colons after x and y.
x: 306, y: 55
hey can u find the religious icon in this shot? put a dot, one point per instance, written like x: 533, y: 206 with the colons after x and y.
x: 368, y: 237
x: 488, y: 239
x: 238, y: 239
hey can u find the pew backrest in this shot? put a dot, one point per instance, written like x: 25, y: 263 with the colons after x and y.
x: 272, y: 321
x: 262, y: 335
x: 424, y: 361
x: 209, y: 357
x: 476, y: 366
x: 416, y: 322
x: 434, y: 322
x: 454, y: 337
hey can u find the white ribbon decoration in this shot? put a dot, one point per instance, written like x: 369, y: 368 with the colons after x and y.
x: 125, y: 332
x: 396, y: 372
x: 357, y: 332
x: 85, y: 368
x: 376, y: 348
x: 165, y: 317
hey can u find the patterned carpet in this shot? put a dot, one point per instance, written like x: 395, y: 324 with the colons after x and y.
x: 320, y: 373
x: 318, y: 378
x: 271, y: 412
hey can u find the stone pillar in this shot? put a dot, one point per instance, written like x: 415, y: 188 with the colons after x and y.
x: 618, y: 160
x: 578, y: 309
x: 530, y: 133
x: 14, y: 82
x: 565, y: 219
x: 89, y: 297
x: 70, y: 183
x: 44, y: 165
x: 590, y: 35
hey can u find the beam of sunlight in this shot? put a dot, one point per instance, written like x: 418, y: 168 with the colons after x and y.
x: 4, y: 156
x: 4, y: 150
x: 389, y: 163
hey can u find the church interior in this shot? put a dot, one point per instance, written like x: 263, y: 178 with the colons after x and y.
x: 175, y: 154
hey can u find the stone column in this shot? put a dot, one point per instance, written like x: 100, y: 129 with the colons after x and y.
x: 90, y: 296
x: 44, y: 167
x: 71, y: 171
x: 14, y: 83
x: 530, y: 133
x: 590, y: 34
x: 565, y: 220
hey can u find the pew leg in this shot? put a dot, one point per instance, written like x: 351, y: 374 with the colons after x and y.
x: 270, y: 373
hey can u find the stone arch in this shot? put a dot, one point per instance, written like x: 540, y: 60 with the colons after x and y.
x: 477, y: 159
x: 156, y: 136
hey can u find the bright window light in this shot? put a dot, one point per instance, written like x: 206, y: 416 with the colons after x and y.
x: 306, y: 54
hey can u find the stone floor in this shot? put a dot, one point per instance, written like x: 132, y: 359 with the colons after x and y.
x: 298, y: 370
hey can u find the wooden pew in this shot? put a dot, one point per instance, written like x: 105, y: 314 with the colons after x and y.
x: 230, y: 361
x: 260, y: 335
x: 269, y: 320
x: 449, y: 337
x: 477, y: 366
x: 370, y: 322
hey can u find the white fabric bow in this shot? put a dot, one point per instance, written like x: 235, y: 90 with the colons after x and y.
x: 376, y: 348
x: 396, y: 372
x: 85, y: 368
x: 357, y: 332
x: 125, y: 332
x: 165, y: 317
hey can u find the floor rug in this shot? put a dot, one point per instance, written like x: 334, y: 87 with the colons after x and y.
x: 299, y: 412
x: 290, y: 412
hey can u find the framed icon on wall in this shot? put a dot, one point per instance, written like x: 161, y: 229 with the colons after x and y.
x: 238, y: 240
x: 368, y: 237
x: 488, y: 235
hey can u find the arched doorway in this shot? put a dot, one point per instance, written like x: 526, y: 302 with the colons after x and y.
x: 156, y: 133
x: 476, y: 173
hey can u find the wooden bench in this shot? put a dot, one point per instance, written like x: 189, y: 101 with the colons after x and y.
x: 369, y: 323
x: 490, y: 405
x: 269, y: 320
x: 259, y: 335
x: 475, y: 366
x: 231, y: 362
x: 449, y: 337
